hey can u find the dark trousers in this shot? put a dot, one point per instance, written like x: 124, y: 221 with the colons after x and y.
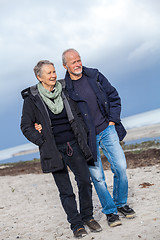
x: 78, y: 166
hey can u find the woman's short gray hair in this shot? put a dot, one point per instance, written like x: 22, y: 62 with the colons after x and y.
x: 38, y: 68
x: 64, y: 55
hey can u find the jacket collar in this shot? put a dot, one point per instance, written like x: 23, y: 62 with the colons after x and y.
x: 34, y: 90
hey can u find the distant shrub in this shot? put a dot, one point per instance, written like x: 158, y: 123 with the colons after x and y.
x: 142, y: 145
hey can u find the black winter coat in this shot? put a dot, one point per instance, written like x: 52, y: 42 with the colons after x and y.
x: 35, y: 111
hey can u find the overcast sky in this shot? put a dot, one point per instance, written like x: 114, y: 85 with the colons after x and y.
x: 120, y: 37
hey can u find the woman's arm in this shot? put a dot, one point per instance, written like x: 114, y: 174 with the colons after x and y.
x: 28, y: 121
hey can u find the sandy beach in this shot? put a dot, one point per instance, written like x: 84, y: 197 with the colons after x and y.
x: 150, y: 131
x: 30, y: 208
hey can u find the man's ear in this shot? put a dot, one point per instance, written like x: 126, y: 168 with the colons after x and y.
x: 65, y: 66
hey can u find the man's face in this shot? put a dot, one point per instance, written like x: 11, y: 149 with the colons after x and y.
x: 73, y: 64
x: 48, y: 76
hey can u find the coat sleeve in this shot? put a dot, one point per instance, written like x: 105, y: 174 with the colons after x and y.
x: 28, y: 120
x: 113, y: 99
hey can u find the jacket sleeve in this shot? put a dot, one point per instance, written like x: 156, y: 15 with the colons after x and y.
x: 28, y: 120
x: 113, y: 99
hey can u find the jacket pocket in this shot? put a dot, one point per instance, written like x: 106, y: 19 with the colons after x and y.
x: 44, y: 151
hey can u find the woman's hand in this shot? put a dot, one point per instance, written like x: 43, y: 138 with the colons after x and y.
x: 111, y: 123
x: 38, y: 127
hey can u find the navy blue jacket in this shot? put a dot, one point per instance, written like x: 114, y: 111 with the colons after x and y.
x: 108, y: 100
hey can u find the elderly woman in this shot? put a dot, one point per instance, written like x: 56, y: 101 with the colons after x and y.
x: 62, y: 141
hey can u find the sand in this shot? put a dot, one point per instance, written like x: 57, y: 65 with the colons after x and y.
x: 30, y: 208
x: 150, y: 131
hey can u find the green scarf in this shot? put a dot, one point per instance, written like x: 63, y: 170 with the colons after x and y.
x: 52, y: 99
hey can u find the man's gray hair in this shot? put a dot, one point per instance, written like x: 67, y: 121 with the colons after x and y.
x: 64, y: 55
x: 38, y: 68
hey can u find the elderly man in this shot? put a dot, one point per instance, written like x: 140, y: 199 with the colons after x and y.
x: 100, y: 106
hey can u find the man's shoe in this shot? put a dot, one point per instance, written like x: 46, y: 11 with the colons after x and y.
x: 113, y: 220
x: 79, y: 233
x: 93, y: 225
x: 127, y: 211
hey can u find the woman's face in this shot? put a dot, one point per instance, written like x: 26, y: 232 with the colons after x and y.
x: 48, y: 77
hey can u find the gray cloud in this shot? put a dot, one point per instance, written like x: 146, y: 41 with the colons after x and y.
x: 119, y: 34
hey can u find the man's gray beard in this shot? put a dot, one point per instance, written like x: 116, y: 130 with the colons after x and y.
x: 75, y: 74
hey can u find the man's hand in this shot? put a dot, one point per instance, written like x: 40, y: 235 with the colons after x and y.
x: 38, y: 127
x: 111, y: 123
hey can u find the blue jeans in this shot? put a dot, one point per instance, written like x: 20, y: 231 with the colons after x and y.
x: 109, y: 142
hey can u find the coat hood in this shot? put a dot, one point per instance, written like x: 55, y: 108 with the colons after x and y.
x: 33, y: 90
x: 29, y: 91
